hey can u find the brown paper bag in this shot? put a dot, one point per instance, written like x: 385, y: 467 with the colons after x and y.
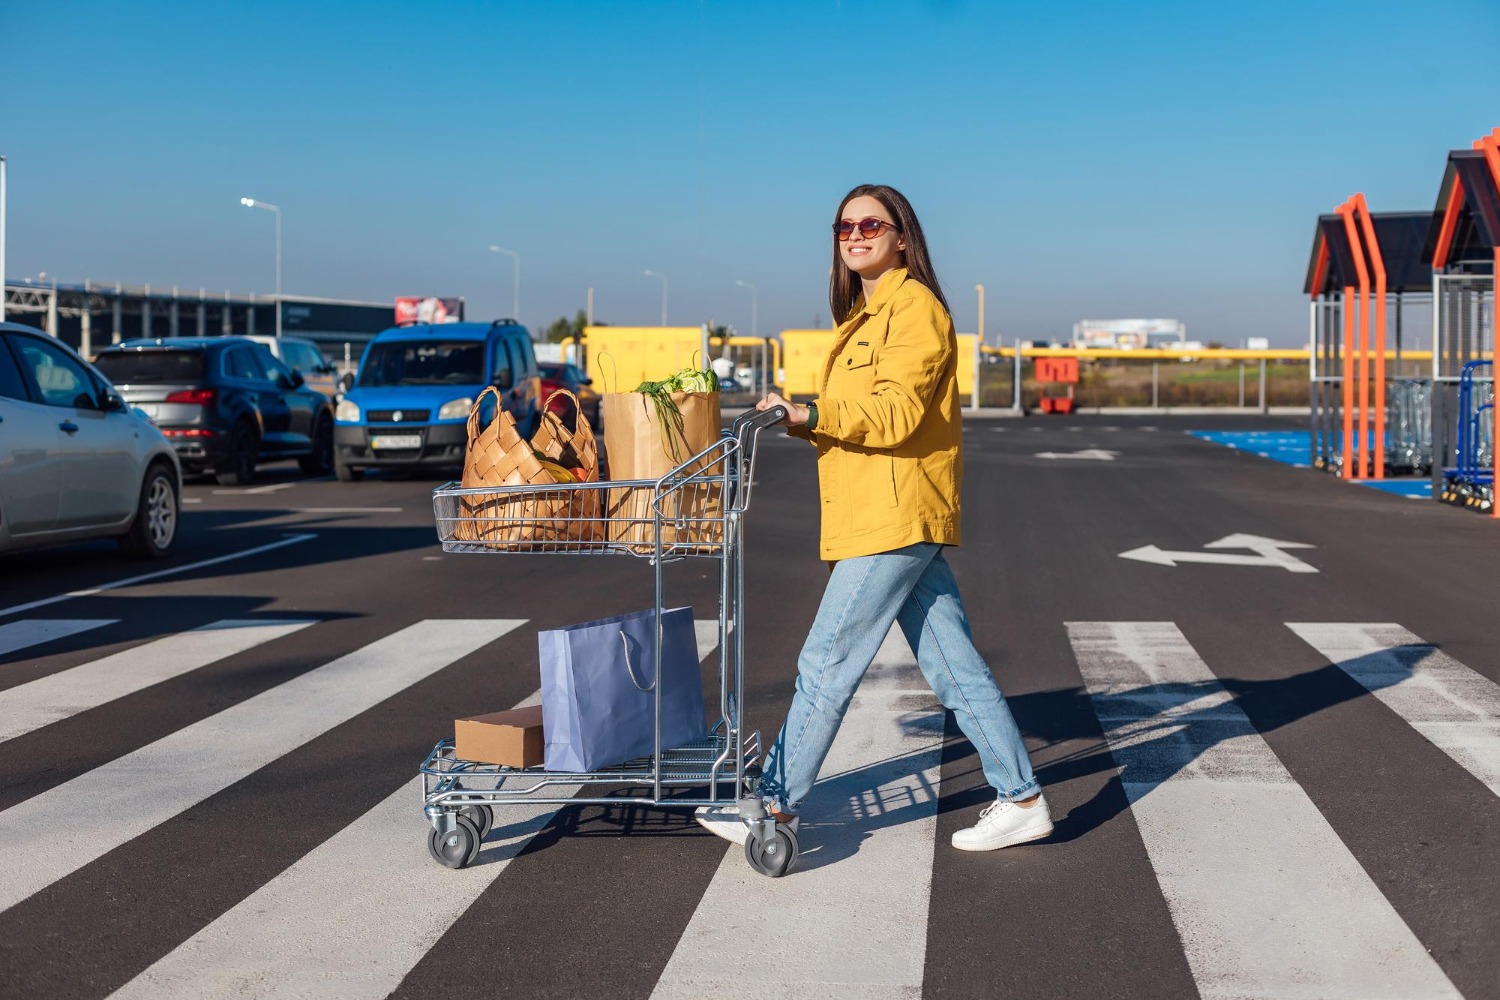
x: 497, y: 455
x: 640, y: 447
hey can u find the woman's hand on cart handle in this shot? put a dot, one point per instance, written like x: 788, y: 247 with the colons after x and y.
x: 796, y: 413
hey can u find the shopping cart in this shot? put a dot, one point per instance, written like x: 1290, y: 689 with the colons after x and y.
x: 695, y: 510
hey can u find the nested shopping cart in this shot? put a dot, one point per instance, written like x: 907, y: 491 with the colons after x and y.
x: 694, y: 511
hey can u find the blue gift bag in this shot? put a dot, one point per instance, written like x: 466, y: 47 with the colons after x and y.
x: 598, y: 689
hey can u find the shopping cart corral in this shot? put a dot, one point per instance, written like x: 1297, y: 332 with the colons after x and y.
x: 696, y: 510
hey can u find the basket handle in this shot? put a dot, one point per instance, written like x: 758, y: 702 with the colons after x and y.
x: 630, y: 669
x: 489, y: 390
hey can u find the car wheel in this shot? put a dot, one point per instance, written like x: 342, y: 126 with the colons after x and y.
x: 154, y: 529
x: 239, y: 467
x: 321, y: 460
x: 346, y: 473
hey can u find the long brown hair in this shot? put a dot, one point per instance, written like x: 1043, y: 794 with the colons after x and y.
x: 844, y: 284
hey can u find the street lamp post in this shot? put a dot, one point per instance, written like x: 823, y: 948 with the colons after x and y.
x: 652, y: 274
x: 2, y: 239
x: 978, y: 349
x: 754, y: 295
x: 516, y: 288
x: 252, y: 203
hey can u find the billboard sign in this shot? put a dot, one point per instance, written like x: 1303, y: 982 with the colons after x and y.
x: 416, y: 309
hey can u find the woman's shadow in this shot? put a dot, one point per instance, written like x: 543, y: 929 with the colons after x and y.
x: 1163, y: 729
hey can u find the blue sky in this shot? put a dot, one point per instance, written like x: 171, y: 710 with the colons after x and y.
x: 1079, y: 159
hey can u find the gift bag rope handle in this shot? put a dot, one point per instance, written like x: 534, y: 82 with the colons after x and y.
x: 614, y: 371
x: 630, y: 668
x: 489, y: 390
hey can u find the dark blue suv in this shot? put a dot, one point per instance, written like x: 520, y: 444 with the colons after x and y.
x: 409, y: 406
x: 225, y: 403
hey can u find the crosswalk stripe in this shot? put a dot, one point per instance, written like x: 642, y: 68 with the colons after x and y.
x: 35, y: 631
x: 1452, y: 706
x: 48, y: 837
x: 1267, y: 900
x: 379, y: 900
x: 851, y: 920
x: 49, y: 699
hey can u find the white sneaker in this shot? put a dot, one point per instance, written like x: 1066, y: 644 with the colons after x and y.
x: 724, y: 821
x: 1003, y: 824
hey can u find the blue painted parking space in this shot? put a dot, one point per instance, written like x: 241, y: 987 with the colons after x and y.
x: 1293, y: 448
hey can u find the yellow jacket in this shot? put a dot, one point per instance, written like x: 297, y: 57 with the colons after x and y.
x: 889, y: 435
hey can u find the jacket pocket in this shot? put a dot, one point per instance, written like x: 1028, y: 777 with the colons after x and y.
x: 855, y: 356
x: 894, y: 489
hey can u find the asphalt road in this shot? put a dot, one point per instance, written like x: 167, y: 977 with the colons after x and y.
x: 1276, y: 775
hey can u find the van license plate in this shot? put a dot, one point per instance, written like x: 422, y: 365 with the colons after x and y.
x: 396, y: 441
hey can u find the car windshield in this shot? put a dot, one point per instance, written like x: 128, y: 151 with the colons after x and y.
x: 424, y: 362
x: 134, y: 367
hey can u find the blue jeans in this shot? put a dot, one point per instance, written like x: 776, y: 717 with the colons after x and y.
x: 915, y: 587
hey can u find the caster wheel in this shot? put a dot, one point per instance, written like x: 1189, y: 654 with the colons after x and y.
x: 458, y: 847
x: 774, y: 857
x: 483, y: 818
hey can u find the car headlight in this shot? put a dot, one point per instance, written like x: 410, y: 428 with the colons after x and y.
x: 455, y: 408
x: 347, y: 412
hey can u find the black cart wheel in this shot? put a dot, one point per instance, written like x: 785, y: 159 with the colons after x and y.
x: 458, y: 847
x: 774, y: 857
x: 482, y: 816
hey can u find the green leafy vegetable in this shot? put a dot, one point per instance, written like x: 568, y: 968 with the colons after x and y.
x: 667, y: 412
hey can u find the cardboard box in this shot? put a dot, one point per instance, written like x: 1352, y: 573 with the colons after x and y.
x: 513, y: 738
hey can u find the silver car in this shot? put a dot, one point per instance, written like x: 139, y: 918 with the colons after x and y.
x: 75, y: 461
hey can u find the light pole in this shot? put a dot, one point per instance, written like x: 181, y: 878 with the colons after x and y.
x: 980, y: 290
x: 252, y: 203
x: 2, y: 239
x: 589, y: 316
x: 652, y: 274
x: 754, y: 295
x: 516, y: 289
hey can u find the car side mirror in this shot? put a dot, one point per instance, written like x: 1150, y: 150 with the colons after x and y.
x: 585, y: 381
x: 347, y: 382
x: 501, y: 379
x: 112, y: 402
x: 292, y: 381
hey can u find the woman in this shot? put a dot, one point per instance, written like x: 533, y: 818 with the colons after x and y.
x: 890, y: 465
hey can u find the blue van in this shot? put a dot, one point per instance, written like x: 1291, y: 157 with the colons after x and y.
x: 409, y: 405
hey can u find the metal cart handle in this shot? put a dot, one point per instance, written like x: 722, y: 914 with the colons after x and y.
x: 630, y: 668
x: 754, y: 420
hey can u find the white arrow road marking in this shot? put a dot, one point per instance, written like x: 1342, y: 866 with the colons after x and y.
x: 1087, y: 454
x: 1267, y: 900
x: 1455, y: 708
x: 851, y: 919
x: 48, y: 837
x: 1268, y: 552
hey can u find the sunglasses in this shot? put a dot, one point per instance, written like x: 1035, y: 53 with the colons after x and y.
x: 868, y: 228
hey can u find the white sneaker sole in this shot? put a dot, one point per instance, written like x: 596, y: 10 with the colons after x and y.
x: 722, y: 823
x: 1022, y: 836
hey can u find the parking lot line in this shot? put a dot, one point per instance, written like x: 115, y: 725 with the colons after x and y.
x: 49, y: 837
x: 1250, y: 869
x: 57, y: 696
x: 131, y: 581
x: 34, y: 632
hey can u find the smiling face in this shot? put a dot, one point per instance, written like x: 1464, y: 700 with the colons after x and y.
x: 870, y: 256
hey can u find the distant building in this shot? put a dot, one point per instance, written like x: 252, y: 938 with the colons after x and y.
x: 1128, y: 334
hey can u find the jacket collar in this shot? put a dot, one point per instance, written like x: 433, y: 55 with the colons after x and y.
x: 884, y: 289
